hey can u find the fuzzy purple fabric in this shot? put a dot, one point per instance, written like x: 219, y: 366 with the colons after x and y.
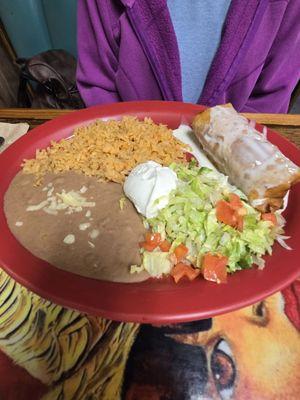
x: 237, y: 25
x: 128, y: 51
x: 152, y: 23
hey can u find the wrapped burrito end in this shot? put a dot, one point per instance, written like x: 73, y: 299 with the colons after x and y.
x: 252, y: 163
x: 202, y: 120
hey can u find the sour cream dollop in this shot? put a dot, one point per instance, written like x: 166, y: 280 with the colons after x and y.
x: 149, y: 186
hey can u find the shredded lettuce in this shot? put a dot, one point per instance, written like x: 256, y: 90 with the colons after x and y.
x: 190, y: 218
x: 156, y: 263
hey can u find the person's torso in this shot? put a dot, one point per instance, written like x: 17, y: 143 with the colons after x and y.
x: 148, y: 60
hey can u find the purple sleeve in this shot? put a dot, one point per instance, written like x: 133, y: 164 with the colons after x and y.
x: 97, y: 62
x: 281, y: 71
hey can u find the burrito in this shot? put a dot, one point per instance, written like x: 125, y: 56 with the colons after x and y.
x: 251, y: 162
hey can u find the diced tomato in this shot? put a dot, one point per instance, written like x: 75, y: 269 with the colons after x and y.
x: 225, y: 213
x: 189, y: 157
x: 165, y: 245
x: 214, y: 268
x: 180, y: 252
x: 269, y: 217
x: 148, y: 246
x: 153, y: 237
x: 184, y: 270
x: 152, y: 240
x: 235, y: 201
x: 231, y: 212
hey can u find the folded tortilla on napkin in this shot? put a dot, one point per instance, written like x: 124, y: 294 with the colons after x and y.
x: 11, y: 132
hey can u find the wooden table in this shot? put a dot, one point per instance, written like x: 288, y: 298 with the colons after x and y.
x: 286, y: 124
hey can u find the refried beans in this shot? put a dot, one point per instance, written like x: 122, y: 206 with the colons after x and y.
x: 77, y: 223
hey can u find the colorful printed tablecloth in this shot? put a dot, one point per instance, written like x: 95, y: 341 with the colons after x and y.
x: 52, y: 353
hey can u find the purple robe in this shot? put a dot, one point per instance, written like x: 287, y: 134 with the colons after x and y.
x: 127, y: 50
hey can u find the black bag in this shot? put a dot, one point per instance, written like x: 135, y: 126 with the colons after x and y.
x: 48, y: 80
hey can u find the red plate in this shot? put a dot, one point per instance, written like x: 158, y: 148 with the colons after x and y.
x: 152, y: 301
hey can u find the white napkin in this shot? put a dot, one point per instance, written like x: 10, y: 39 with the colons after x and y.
x: 11, y: 132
